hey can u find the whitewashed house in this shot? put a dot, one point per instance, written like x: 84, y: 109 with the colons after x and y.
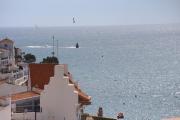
x: 59, y: 100
x: 8, y: 44
x: 4, y: 63
x: 5, y: 108
x: 52, y: 95
x: 7, y: 61
x: 9, y: 70
x: 9, y: 89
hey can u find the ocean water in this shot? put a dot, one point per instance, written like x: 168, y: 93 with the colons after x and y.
x: 130, y: 69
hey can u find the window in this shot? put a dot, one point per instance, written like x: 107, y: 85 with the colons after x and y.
x: 5, y: 45
x: 30, y: 105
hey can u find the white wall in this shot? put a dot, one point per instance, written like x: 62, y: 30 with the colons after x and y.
x: 26, y: 116
x: 7, y: 89
x: 4, y: 54
x: 59, y: 100
x: 4, y: 76
x: 5, y: 113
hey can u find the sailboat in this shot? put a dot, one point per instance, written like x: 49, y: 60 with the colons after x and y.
x: 74, y: 20
x: 77, y: 45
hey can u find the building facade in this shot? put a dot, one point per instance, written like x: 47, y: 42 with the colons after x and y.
x: 4, y: 61
x: 7, y: 60
x: 5, y: 108
x: 13, y: 72
x: 8, y: 44
x: 59, y: 100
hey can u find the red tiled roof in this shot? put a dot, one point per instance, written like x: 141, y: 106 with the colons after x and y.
x: 24, y: 95
x: 40, y: 75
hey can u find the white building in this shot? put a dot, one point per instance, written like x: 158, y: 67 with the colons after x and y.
x: 7, y: 60
x: 8, y: 45
x: 56, y: 96
x: 59, y: 100
x: 4, y: 63
x: 9, y: 70
x: 5, y: 108
x: 9, y: 89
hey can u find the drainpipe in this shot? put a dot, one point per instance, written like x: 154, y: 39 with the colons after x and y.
x: 35, y: 112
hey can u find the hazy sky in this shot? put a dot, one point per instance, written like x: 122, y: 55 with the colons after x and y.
x: 88, y: 12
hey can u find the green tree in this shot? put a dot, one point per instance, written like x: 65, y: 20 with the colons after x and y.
x: 52, y: 59
x: 29, y: 58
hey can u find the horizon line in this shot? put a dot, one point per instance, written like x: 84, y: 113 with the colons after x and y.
x: 49, y: 26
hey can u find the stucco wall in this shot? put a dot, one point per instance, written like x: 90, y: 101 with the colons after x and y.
x: 26, y: 116
x: 5, y: 113
x: 7, y: 89
x: 59, y: 100
x: 9, y: 46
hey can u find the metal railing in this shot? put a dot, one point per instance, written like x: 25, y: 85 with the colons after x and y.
x: 26, y: 108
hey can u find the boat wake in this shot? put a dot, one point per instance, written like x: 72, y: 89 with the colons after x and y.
x: 71, y: 47
x: 37, y: 46
x: 48, y: 46
x: 156, y: 95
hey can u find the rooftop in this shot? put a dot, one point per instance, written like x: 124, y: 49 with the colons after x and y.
x: 40, y: 75
x: 24, y: 95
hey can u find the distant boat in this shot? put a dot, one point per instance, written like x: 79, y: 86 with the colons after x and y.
x: 74, y: 20
x: 77, y: 45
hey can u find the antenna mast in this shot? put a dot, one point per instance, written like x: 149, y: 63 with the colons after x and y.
x: 57, y: 49
x: 53, y: 46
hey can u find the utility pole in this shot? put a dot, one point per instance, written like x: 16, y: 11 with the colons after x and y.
x: 57, y: 49
x: 35, y: 114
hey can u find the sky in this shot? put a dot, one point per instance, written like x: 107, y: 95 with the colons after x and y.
x: 22, y: 13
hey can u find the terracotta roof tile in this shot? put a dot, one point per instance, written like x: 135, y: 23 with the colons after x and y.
x: 40, y: 75
x: 24, y: 95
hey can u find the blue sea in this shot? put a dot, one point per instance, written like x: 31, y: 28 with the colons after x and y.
x: 134, y: 69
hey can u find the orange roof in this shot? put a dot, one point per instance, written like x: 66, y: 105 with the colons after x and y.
x: 40, y: 75
x: 82, y: 96
x: 24, y: 95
